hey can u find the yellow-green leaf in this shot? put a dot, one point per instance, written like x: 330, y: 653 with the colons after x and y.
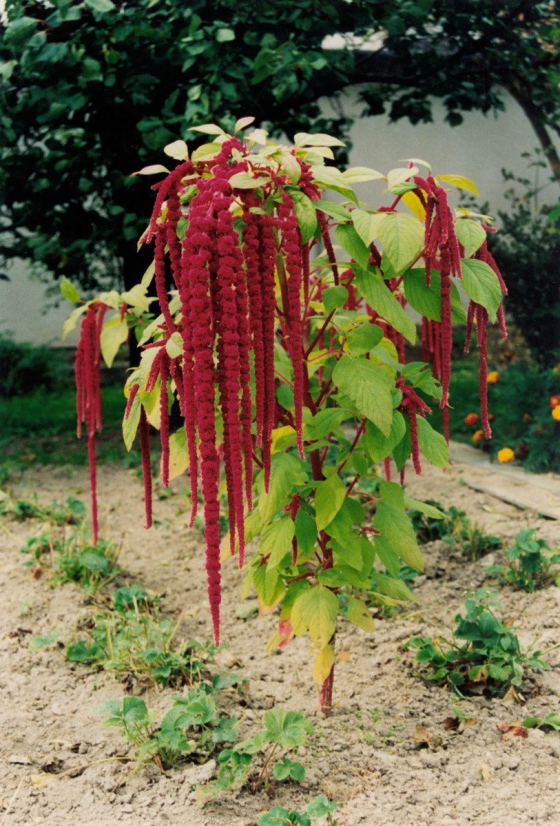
x: 113, y: 334
x: 402, y: 236
x: 460, y: 182
x: 329, y: 498
x: 323, y: 664
x: 470, y: 235
x: 358, y: 614
x: 69, y: 291
x: 315, y: 611
x: 276, y: 540
x: 178, y: 454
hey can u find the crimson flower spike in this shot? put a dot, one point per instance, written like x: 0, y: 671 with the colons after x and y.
x: 87, y: 373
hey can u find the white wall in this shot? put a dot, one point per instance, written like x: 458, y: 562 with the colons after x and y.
x: 478, y: 149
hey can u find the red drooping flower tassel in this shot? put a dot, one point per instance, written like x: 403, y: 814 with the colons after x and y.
x: 144, y: 428
x: 88, y: 393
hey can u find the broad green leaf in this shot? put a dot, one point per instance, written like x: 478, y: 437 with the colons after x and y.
x: 130, y: 424
x: 358, y: 614
x: 379, y: 445
x: 178, y: 150
x: 306, y: 534
x: 225, y: 35
x: 208, y: 129
x: 402, y: 450
x: 174, y: 345
x: 276, y: 540
x: 315, y: 611
x: 361, y: 174
x: 324, y: 422
x: 323, y: 664
x: 460, y: 182
x: 400, y: 175
x: 72, y: 320
x: 269, y: 587
x: 178, y: 453
x: 287, y: 728
x: 258, y: 136
x: 242, y: 123
x: 331, y: 178
x: 319, y: 139
x: 363, y: 338
x: 100, y: 6
x: 481, y: 284
x: 368, y: 387
x: 348, y: 238
x: 423, y: 507
x: 396, y: 531
x: 427, y: 300
x: 113, y: 334
x: 205, y: 152
x: 392, y: 587
x: 320, y: 807
x: 334, y: 298
x: 290, y: 165
x: 402, y: 237
x: 432, y: 444
x: 367, y: 225
x: 245, y: 180
x: 69, y: 291
x: 470, y: 234
x: 136, y: 297
x: 334, y: 210
x: 349, y: 550
x: 285, y: 472
x: 381, y: 299
x: 152, y: 169
x: 329, y: 497
x: 392, y: 493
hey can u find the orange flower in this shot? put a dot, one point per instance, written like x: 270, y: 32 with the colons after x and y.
x: 505, y: 455
x: 472, y: 418
x: 556, y: 413
x: 554, y: 401
x: 478, y: 436
x: 493, y: 378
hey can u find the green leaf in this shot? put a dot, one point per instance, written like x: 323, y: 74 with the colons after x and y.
x: 178, y: 453
x: 329, y: 498
x: 460, y: 182
x: 432, y: 444
x: 320, y: 807
x: 331, y: 178
x: 358, y: 614
x: 324, y: 422
x: 113, y: 334
x: 315, y: 611
x: 368, y: 387
x: 130, y: 424
x: 348, y: 238
x: 306, y: 533
x: 470, y: 234
x: 269, y: 587
x: 363, y: 338
x: 225, y: 35
x: 285, y: 472
x: 323, y: 664
x: 100, y: 6
x: 306, y: 214
x: 289, y: 729
x: 402, y: 236
x: 334, y: 210
x: 245, y: 180
x: 423, y: 507
x: 69, y: 291
x: 427, y: 300
x: 334, y: 298
x: 361, y: 174
x: 367, y: 225
x: 319, y: 139
x: 381, y: 299
x: 380, y: 445
x: 276, y: 540
x: 481, y: 284
x: 396, y: 531
x: 392, y: 587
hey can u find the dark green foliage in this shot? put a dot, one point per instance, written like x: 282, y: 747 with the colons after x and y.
x: 90, y: 566
x: 455, y: 529
x: 26, y: 369
x: 70, y: 512
x: 484, y: 656
x: 531, y: 563
x: 527, y: 250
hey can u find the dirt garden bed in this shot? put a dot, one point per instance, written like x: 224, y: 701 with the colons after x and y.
x: 58, y: 761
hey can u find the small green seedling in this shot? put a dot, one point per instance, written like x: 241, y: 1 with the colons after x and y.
x: 192, y: 728
x: 550, y: 722
x: 484, y: 657
x: 531, y: 563
x: 283, y: 731
x: 455, y: 528
x: 72, y: 512
x: 321, y: 807
x: 137, y: 639
x: 90, y: 566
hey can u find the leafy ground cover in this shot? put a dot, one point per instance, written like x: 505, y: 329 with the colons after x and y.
x: 398, y: 749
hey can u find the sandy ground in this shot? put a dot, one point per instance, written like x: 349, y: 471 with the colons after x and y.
x: 365, y: 756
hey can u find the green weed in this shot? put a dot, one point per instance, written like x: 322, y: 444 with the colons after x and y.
x: 487, y: 659
x: 70, y: 512
x: 455, y: 529
x: 531, y: 563
x: 321, y: 807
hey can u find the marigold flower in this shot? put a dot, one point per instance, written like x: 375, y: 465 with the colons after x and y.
x: 556, y: 413
x: 554, y: 401
x: 471, y: 418
x: 478, y: 436
x: 505, y: 455
x: 493, y: 377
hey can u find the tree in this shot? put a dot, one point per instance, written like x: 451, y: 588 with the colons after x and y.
x: 92, y: 90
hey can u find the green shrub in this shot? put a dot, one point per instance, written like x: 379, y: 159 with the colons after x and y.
x: 26, y: 369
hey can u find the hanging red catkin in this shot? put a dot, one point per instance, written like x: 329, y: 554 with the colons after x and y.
x: 164, y: 419
x: 144, y: 428
x: 88, y: 393
x: 161, y: 288
x: 267, y: 266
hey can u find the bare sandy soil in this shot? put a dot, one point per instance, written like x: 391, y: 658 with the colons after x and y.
x: 365, y: 756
